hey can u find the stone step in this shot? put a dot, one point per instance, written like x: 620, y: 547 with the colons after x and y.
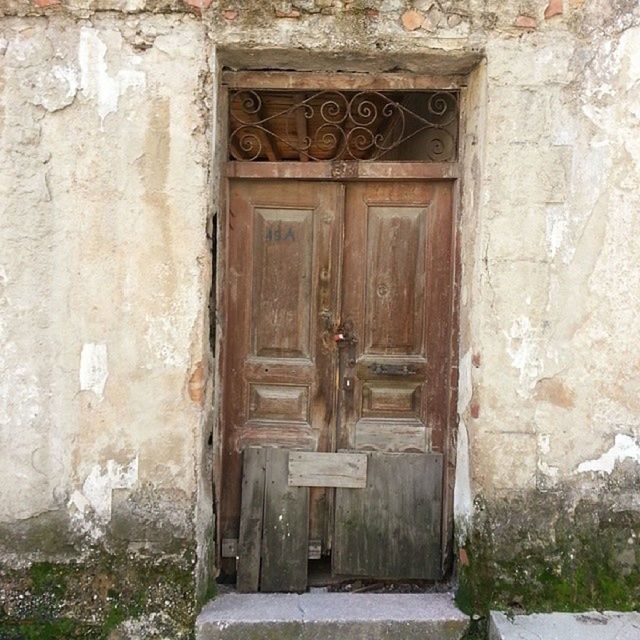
x: 331, y: 616
x: 591, y: 625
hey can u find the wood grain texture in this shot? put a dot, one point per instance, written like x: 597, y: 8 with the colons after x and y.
x: 251, y: 519
x: 396, y: 292
x: 408, y: 436
x: 326, y: 170
x: 283, y: 269
x: 391, y: 529
x: 307, y: 469
x: 285, y: 533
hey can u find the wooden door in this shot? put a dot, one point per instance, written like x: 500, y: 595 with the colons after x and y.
x: 396, y: 316
x: 282, y: 296
x: 394, y: 376
x: 338, y: 337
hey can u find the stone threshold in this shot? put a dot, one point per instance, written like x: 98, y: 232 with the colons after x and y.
x: 591, y: 625
x: 320, y: 616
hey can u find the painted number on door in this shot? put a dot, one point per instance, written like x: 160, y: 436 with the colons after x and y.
x: 278, y: 233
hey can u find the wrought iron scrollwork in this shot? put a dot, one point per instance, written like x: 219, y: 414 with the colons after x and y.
x: 332, y: 125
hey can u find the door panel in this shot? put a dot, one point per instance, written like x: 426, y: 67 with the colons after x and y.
x: 282, y: 282
x: 394, y: 249
x: 280, y: 359
x: 396, y: 290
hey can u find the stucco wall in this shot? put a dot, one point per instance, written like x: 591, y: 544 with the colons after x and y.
x: 105, y: 266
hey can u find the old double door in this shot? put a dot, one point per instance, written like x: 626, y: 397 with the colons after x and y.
x: 338, y: 325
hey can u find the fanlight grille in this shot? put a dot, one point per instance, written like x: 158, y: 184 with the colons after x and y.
x: 343, y: 125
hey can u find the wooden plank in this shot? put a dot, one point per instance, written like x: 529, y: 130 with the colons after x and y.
x: 326, y: 170
x: 285, y: 536
x: 251, y: 519
x: 311, y: 469
x: 391, y: 529
x: 340, y: 81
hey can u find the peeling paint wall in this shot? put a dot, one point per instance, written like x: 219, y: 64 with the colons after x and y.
x: 105, y: 266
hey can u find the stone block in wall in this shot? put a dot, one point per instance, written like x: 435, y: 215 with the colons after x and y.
x: 530, y: 61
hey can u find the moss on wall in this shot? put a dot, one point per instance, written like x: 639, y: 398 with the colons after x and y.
x: 536, y: 552
x: 103, y: 597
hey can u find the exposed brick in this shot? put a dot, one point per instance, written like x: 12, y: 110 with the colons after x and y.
x: 464, y: 558
x: 197, y: 384
x: 475, y: 410
x: 229, y: 14
x: 525, y: 22
x: 554, y: 8
x: 412, y: 20
x: 45, y: 3
x: 476, y: 360
x: 293, y: 13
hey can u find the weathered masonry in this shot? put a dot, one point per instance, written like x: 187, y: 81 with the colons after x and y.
x: 361, y: 259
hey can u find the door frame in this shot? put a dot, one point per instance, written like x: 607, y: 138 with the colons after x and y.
x: 337, y: 171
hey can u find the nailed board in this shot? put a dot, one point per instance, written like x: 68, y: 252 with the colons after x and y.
x: 251, y: 515
x: 285, y: 529
x: 391, y: 528
x: 309, y: 469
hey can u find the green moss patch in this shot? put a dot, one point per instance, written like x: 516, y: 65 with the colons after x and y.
x: 93, y: 598
x: 537, y: 555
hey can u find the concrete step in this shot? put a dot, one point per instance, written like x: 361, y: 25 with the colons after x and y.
x: 565, y: 626
x: 331, y: 616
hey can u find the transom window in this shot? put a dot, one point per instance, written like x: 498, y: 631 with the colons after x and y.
x: 276, y: 125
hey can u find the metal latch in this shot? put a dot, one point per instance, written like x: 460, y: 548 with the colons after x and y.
x: 393, y: 369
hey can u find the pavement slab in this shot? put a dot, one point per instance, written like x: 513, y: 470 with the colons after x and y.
x: 591, y: 625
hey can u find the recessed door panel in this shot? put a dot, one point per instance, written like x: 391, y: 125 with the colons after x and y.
x: 394, y: 304
x: 282, y: 284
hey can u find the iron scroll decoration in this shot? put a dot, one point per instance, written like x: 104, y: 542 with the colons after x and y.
x: 365, y: 125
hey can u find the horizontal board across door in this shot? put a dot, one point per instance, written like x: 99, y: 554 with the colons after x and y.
x: 310, y: 469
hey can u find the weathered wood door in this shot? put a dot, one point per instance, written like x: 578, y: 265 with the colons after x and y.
x: 396, y: 308
x: 280, y: 369
x: 394, y: 381
x: 338, y: 332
